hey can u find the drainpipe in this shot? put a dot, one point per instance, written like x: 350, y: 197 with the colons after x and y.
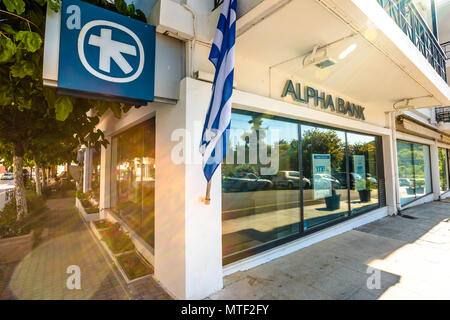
x: 393, y: 116
x: 190, y: 49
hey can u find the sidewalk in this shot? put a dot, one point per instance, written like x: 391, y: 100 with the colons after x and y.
x: 42, y: 274
x: 411, y: 254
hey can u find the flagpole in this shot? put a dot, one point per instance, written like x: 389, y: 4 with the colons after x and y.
x: 208, y: 191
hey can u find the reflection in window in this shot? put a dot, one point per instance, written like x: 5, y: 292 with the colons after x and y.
x: 362, y: 150
x: 324, y: 165
x: 260, y: 182
x: 424, y: 8
x: 443, y: 169
x: 267, y: 176
x: 413, y: 170
x: 133, y: 178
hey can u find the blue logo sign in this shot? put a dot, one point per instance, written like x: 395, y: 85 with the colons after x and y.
x: 105, y: 53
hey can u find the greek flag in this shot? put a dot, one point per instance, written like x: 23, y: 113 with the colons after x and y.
x: 214, y: 141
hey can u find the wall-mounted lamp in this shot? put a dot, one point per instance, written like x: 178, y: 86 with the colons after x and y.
x: 318, y: 58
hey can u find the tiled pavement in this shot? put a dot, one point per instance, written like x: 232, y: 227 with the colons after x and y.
x: 42, y: 273
x: 412, y: 257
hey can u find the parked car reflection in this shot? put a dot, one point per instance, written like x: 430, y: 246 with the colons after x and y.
x: 342, y: 177
x: 404, y: 182
x: 290, y: 180
x: 325, y: 181
x: 245, y: 182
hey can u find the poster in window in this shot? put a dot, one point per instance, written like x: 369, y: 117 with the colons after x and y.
x: 359, y: 168
x: 321, y: 164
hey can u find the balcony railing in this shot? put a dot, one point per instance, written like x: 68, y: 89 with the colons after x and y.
x: 406, y: 16
x: 446, y: 48
x: 443, y: 114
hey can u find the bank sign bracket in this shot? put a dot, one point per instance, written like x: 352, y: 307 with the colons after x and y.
x: 102, y: 55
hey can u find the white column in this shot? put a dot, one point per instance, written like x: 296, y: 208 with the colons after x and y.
x: 188, y: 237
x: 389, y: 174
x: 435, y: 176
x: 87, y: 169
x: 390, y: 164
x: 203, y: 222
x: 105, y: 174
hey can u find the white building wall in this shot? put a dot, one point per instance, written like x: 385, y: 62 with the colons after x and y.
x: 188, y: 235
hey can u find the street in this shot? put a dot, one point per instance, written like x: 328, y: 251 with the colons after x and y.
x: 4, y: 186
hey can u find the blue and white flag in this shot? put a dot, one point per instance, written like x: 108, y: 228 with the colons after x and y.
x: 214, y: 141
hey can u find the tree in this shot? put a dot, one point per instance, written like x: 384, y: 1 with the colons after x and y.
x: 317, y: 141
x: 27, y: 109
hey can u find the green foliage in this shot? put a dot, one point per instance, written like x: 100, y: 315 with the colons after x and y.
x: 133, y: 265
x: 17, y: 6
x: 7, y: 49
x: 117, y: 240
x: 29, y: 40
x: 85, y: 199
x: 10, y: 227
x: 103, y: 224
x: 63, y: 107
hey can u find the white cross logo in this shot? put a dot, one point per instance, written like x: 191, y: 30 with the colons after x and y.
x: 111, y: 49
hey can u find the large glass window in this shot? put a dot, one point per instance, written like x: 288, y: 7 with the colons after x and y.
x: 414, y: 171
x: 260, y: 182
x: 324, y: 165
x: 133, y: 178
x: 443, y: 169
x: 362, y: 150
x: 282, y: 179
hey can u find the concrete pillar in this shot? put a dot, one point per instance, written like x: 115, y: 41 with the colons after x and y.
x: 390, y: 162
x: 435, y: 175
x: 389, y: 174
x: 188, y: 235
x: 105, y: 176
x: 87, y: 169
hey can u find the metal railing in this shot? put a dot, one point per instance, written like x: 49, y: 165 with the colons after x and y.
x: 443, y: 114
x: 446, y: 48
x: 406, y: 16
x: 217, y: 3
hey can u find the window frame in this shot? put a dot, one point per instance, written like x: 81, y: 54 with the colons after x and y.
x: 414, y: 170
x: 233, y: 257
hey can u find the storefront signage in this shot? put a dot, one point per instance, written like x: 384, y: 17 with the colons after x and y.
x: 321, y: 164
x: 327, y: 102
x: 359, y: 167
x: 105, y: 53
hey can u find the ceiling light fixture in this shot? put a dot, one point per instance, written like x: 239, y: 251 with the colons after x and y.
x: 347, y: 51
x: 318, y: 58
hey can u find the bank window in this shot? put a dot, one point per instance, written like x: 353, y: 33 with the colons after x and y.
x: 133, y: 178
x: 443, y: 169
x: 414, y: 171
x: 324, y: 166
x: 282, y: 179
x: 260, y: 183
x: 364, y: 192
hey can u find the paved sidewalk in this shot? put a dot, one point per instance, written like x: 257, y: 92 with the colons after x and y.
x: 42, y: 273
x: 411, y: 255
